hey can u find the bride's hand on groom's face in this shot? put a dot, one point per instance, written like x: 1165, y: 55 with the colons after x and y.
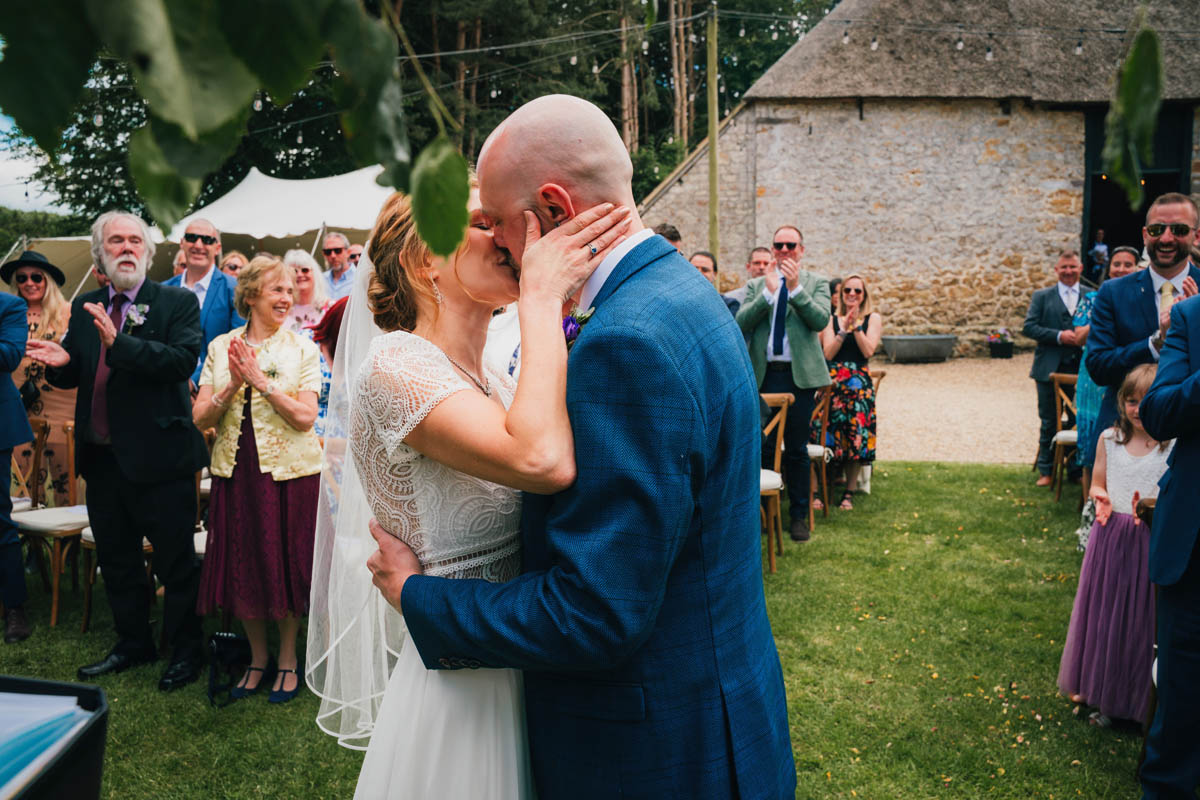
x: 391, y: 565
x: 558, y: 264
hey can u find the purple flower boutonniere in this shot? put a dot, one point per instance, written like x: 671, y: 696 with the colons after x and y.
x: 136, y: 317
x: 573, y: 323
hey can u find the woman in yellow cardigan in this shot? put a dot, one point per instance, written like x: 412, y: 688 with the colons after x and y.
x: 259, y: 390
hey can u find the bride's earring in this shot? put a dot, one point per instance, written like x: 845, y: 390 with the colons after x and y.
x: 437, y: 293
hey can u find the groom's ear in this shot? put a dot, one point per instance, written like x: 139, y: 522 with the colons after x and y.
x: 555, y: 204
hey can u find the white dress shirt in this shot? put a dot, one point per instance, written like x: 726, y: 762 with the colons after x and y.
x: 773, y: 299
x: 200, y: 287
x: 1069, y: 295
x: 595, y: 282
x: 1157, y: 282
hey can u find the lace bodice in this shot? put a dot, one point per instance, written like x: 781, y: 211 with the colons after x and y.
x: 458, y: 525
x: 1126, y: 473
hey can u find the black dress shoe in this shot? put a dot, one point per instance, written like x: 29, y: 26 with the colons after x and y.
x: 119, y: 660
x: 16, y: 625
x: 799, y: 529
x: 180, y: 672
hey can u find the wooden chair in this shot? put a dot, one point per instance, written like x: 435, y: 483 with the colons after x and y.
x: 1066, y: 437
x: 771, y: 480
x: 819, y: 454
x: 865, y: 474
x: 57, y: 530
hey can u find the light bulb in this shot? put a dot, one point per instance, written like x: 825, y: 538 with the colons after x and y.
x: 300, y: 138
x: 595, y: 68
x: 774, y: 35
x: 989, y: 55
x: 959, y: 44
x: 98, y: 120
x: 846, y: 36
x: 1079, y: 47
x: 574, y: 60
x: 874, y: 43
x: 645, y: 45
x: 742, y: 32
x: 493, y: 94
x: 258, y: 102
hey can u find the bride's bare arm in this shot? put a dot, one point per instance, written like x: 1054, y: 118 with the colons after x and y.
x: 530, y: 446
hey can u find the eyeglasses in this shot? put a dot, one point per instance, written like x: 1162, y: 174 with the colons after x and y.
x: 304, y: 270
x: 333, y: 251
x: 1177, y: 229
x: 853, y: 291
x: 354, y: 257
x: 786, y: 245
x: 36, y: 277
x: 192, y: 238
x: 232, y: 266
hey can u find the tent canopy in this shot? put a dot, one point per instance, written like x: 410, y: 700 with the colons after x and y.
x: 261, y: 206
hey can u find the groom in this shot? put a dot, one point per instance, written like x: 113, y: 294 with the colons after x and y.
x: 639, y: 622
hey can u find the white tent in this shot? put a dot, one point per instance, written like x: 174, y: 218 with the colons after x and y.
x: 264, y: 207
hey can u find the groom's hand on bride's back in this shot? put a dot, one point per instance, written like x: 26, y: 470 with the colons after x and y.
x: 391, y: 565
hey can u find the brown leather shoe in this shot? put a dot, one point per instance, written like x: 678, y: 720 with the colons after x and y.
x: 16, y: 626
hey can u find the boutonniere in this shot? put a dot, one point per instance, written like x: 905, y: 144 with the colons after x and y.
x: 573, y: 323
x: 136, y: 317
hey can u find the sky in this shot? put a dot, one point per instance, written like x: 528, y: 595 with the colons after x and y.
x: 14, y: 172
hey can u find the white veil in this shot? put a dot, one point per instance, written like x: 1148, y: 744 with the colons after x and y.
x: 354, y: 636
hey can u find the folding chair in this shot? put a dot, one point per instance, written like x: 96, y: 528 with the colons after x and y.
x: 771, y: 480
x: 819, y: 455
x: 1066, y: 437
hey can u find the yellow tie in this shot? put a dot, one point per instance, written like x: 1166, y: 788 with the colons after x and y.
x: 1167, y: 295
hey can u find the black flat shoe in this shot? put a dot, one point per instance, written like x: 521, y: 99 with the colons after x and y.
x: 280, y: 695
x: 241, y: 690
x: 117, y: 661
x: 180, y: 673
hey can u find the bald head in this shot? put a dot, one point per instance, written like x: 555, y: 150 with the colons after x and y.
x: 557, y: 156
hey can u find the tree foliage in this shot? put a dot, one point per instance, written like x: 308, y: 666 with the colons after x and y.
x: 15, y: 224
x: 177, y: 99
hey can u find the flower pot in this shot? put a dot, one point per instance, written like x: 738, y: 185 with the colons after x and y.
x: 1000, y: 349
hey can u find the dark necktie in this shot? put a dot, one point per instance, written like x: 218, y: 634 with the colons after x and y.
x: 780, y: 317
x: 99, y: 419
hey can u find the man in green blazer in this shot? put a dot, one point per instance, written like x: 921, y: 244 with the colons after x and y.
x: 782, y: 318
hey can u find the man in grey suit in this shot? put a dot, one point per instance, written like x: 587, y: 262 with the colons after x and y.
x: 1049, y: 323
x: 784, y: 313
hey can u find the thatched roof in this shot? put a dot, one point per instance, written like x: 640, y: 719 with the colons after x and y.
x: 1033, y: 46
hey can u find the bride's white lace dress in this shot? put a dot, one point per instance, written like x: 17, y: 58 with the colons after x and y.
x: 438, y: 733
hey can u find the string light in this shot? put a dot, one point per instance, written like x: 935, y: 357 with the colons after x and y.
x: 846, y: 36
x: 874, y: 43
x: 959, y: 44
x: 258, y: 104
x: 742, y: 32
x: 574, y: 60
x: 989, y: 55
x: 300, y: 138
x: 774, y: 35
x: 1079, y: 47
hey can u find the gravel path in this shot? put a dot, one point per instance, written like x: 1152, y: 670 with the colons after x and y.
x: 966, y: 409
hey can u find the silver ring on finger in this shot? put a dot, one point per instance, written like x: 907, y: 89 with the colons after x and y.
x: 593, y: 249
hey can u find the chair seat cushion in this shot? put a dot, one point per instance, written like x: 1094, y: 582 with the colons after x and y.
x: 21, y: 504
x: 90, y: 538
x: 70, y: 519
x: 770, y: 481
x: 1067, y: 437
x: 205, y: 487
x: 199, y: 541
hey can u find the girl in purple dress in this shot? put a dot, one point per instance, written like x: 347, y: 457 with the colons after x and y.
x: 1110, y: 643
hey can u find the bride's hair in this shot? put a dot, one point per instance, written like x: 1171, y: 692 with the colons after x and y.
x: 399, y: 257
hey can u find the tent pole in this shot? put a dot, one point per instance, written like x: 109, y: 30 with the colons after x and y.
x: 20, y: 242
x: 317, y: 241
x: 87, y: 274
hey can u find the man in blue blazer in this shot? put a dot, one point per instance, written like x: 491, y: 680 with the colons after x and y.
x: 14, y: 430
x: 213, y: 289
x: 1129, y: 321
x: 640, y: 623
x: 1171, y: 410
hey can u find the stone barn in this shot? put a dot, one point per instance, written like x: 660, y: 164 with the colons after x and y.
x: 945, y: 149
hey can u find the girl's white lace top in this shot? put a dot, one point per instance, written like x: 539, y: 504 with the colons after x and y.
x: 458, y: 525
x: 1127, y: 473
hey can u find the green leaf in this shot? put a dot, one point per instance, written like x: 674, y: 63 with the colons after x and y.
x: 286, y: 64
x: 440, y: 190
x: 167, y: 194
x: 48, y: 51
x: 181, y: 61
x: 391, y: 138
x: 1133, y: 113
x: 204, y: 156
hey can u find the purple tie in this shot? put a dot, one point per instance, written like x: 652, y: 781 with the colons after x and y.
x: 100, y: 388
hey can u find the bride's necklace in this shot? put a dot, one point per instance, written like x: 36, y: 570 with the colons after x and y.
x: 485, y: 386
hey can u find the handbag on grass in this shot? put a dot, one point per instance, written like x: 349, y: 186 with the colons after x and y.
x: 228, y: 657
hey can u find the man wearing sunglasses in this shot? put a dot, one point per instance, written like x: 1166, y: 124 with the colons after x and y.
x: 340, y: 272
x: 784, y: 313
x: 1132, y: 315
x: 356, y: 251
x: 212, y: 288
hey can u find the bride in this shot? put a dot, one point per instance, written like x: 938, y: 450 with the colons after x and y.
x: 440, y: 444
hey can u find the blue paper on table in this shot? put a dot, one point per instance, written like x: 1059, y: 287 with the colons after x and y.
x: 32, y: 726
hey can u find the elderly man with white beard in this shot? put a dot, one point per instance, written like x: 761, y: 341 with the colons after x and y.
x: 130, y: 349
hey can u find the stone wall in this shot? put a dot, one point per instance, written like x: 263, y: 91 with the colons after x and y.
x: 953, y: 210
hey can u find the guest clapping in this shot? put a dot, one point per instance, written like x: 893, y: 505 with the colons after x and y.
x: 33, y: 278
x: 259, y: 389
x: 849, y: 341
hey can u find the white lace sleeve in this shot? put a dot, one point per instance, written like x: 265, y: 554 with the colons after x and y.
x: 402, y: 380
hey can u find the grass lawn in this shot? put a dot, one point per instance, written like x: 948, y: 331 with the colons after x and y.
x: 920, y: 638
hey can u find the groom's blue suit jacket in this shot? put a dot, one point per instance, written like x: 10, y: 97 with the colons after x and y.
x: 650, y: 668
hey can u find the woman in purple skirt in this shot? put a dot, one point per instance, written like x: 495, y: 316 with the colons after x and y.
x: 259, y: 390
x: 1110, y: 643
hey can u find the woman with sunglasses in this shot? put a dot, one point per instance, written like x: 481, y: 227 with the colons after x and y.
x: 312, y: 299
x: 33, y: 278
x: 232, y: 263
x: 849, y: 341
